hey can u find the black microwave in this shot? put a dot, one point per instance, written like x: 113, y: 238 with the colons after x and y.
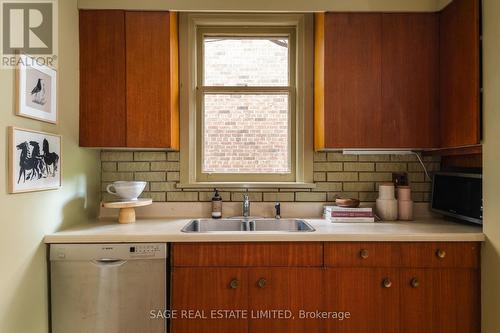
x: 459, y: 195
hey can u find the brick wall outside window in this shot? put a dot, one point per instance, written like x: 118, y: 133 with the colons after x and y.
x: 246, y: 133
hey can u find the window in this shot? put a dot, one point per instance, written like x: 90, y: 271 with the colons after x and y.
x: 246, y: 102
x: 244, y: 112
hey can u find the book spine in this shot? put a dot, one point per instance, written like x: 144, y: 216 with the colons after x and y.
x: 346, y: 209
x: 351, y: 214
x: 352, y: 219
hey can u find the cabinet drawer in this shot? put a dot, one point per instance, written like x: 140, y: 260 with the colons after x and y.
x: 307, y: 254
x: 362, y: 254
x: 440, y: 254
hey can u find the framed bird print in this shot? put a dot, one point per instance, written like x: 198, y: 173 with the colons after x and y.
x: 37, y: 90
x: 34, y: 160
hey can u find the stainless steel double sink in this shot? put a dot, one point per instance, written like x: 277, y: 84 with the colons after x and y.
x: 247, y: 225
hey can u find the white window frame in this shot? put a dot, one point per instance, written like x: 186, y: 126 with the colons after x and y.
x: 298, y: 28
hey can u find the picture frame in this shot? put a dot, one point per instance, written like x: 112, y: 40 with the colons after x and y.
x: 35, y: 160
x: 36, y: 90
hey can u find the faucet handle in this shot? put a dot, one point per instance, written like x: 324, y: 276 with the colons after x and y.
x: 277, y: 207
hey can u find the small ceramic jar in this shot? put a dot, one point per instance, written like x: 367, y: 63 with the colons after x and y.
x: 387, y: 205
x: 405, y: 204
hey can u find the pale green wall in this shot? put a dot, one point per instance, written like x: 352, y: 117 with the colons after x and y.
x: 26, y: 218
x: 491, y: 163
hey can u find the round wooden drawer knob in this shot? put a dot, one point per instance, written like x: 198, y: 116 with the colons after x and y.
x: 261, y: 283
x: 387, y: 283
x: 363, y: 254
x: 233, y: 284
x: 414, y: 283
x: 441, y: 253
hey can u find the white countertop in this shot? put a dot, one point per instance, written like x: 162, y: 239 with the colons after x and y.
x: 168, y: 230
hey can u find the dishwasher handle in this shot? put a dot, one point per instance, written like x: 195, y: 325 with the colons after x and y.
x: 109, y: 262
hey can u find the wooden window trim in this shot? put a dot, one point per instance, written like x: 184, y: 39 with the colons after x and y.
x: 191, y: 26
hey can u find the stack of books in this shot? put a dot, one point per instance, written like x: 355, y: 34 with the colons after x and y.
x: 343, y: 214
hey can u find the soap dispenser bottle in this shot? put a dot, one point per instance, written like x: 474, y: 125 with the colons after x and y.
x: 216, y: 205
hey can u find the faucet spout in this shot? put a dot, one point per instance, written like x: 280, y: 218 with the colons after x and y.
x: 277, y: 207
x: 246, y: 206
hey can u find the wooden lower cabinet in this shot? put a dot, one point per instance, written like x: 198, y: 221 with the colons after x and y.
x: 440, y: 300
x: 410, y: 300
x: 290, y: 289
x: 370, y: 295
x: 272, y: 297
x: 206, y: 289
x: 418, y: 287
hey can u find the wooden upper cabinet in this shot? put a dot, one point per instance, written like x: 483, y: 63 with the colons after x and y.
x: 376, y: 80
x: 152, y: 79
x: 398, y: 80
x: 460, y: 74
x: 102, y: 78
x: 348, y: 80
x: 410, y: 80
x: 129, y: 79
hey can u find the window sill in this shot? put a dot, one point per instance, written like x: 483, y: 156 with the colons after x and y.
x: 247, y: 185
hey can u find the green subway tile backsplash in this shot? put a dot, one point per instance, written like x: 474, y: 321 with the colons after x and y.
x: 335, y: 175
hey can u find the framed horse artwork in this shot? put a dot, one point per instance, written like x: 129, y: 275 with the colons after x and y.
x: 34, y: 160
x: 36, y: 90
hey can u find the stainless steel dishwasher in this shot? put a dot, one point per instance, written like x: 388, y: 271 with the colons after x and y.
x: 107, y: 288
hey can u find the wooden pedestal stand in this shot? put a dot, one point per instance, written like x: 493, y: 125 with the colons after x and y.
x: 127, y: 208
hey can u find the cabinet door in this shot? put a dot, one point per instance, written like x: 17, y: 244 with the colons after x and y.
x: 460, y: 74
x: 207, y: 289
x: 152, y: 88
x: 289, y: 289
x: 371, y: 295
x: 348, y: 109
x: 440, y: 300
x: 102, y: 78
x: 376, y: 80
x: 410, y: 80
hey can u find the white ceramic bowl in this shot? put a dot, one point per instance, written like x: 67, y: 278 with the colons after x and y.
x: 126, y: 190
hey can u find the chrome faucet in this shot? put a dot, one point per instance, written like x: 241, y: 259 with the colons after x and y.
x: 246, y: 206
x: 277, y: 207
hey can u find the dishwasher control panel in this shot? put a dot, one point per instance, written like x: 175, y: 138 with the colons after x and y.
x: 121, y: 251
x: 144, y: 249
